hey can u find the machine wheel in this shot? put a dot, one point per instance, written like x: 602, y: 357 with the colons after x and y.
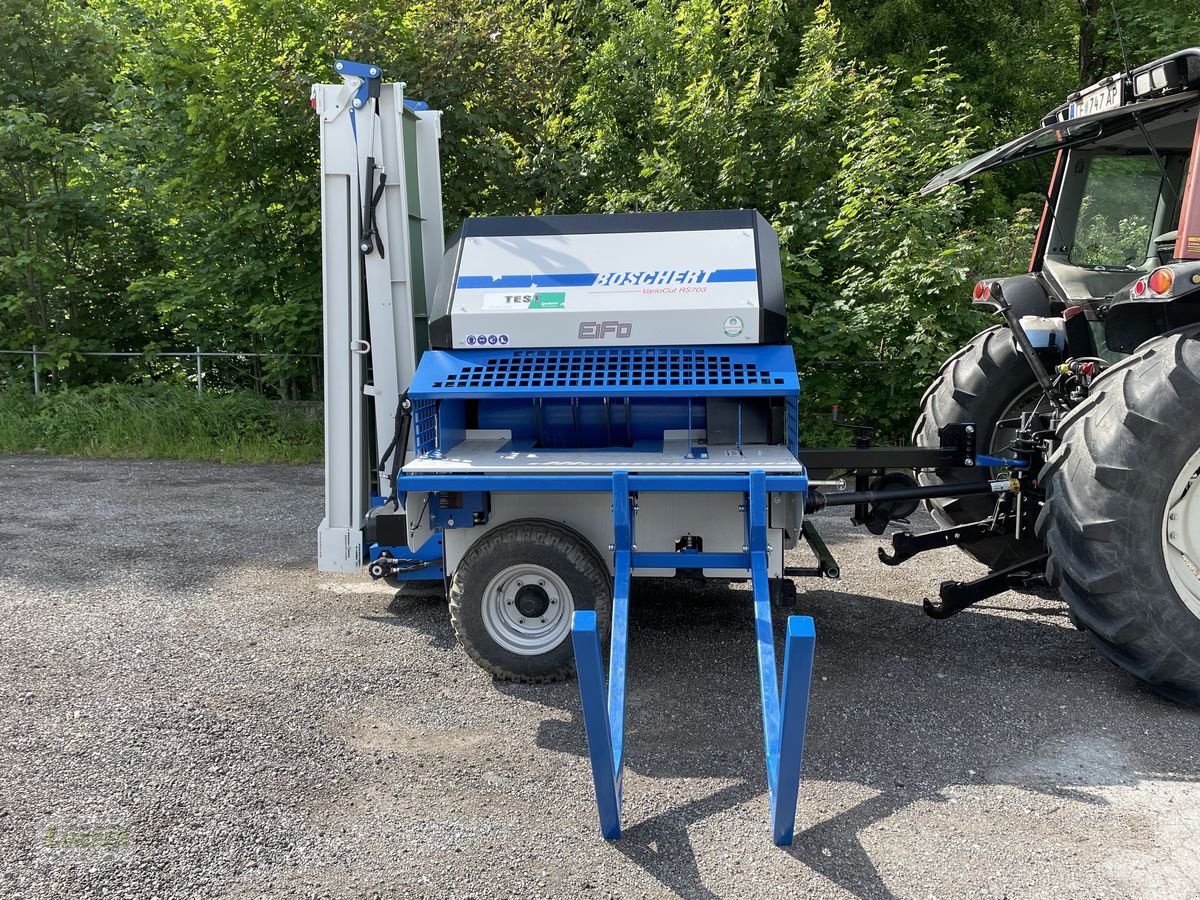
x: 985, y: 382
x: 1122, y: 514
x: 515, y: 592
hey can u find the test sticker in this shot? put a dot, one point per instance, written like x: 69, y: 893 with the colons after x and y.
x: 526, y: 300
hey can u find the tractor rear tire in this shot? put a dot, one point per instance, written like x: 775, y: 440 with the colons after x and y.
x: 515, y: 592
x: 985, y: 382
x: 1121, y: 520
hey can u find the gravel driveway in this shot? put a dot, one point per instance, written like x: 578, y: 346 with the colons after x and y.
x: 189, y: 709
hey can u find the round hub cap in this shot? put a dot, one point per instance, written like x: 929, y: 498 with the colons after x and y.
x: 1181, y: 534
x: 532, y: 600
x: 527, y: 609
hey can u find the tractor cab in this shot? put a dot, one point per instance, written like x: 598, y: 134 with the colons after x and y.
x: 1122, y: 218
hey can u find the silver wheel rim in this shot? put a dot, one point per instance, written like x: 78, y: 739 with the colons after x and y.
x: 516, y: 592
x: 1181, y: 534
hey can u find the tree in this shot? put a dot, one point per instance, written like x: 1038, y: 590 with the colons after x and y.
x: 67, y: 242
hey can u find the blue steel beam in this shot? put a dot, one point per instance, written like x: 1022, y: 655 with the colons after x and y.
x: 622, y: 570
x: 590, y: 671
x: 674, y: 483
x: 691, y: 560
x: 604, y: 716
x: 604, y: 721
x: 797, y: 680
x: 783, y: 728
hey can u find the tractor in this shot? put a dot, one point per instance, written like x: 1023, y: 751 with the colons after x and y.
x: 1092, y: 381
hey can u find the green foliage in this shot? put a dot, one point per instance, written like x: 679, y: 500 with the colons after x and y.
x: 892, y: 266
x: 1116, y: 214
x: 158, y: 160
x: 833, y: 155
x: 66, y: 244
x: 156, y: 422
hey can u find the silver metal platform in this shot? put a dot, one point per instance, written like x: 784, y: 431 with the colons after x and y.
x: 492, y: 454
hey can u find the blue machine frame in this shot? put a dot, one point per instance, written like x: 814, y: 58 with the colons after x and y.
x: 509, y: 387
x: 784, y: 720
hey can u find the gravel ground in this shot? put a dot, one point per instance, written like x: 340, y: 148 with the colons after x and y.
x: 189, y: 709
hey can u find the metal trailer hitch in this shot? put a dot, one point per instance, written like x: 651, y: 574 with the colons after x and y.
x: 955, y: 596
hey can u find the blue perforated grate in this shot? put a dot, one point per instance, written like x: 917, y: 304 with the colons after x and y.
x: 793, y: 425
x: 425, y: 425
x: 613, y: 368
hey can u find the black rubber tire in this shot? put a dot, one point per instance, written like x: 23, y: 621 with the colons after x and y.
x: 1107, y: 485
x: 977, y: 384
x: 540, y: 542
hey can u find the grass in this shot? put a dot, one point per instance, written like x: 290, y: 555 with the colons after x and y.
x: 156, y: 422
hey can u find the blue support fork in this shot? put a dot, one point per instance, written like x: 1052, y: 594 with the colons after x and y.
x: 604, y: 716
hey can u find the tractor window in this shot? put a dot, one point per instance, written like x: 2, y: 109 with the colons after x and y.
x: 1116, y: 216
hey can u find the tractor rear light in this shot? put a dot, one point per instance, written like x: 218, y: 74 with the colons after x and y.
x: 1160, y: 281
x: 982, y: 291
x: 1140, y: 287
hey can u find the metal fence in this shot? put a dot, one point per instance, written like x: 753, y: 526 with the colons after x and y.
x: 191, y: 360
x: 191, y: 363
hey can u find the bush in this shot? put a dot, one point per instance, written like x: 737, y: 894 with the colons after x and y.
x: 157, y: 422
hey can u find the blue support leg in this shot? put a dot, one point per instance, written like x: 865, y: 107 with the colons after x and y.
x: 590, y: 669
x: 604, y: 711
x: 605, y: 721
x: 797, y: 679
x: 783, y: 725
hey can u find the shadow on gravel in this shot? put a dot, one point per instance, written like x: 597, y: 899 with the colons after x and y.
x: 901, y: 705
x: 423, y: 610
x: 661, y: 846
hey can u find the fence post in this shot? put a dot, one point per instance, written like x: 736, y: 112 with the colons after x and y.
x: 37, y: 387
x: 199, y: 373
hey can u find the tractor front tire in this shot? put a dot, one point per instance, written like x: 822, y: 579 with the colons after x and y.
x: 1122, y: 514
x: 515, y: 592
x: 985, y: 382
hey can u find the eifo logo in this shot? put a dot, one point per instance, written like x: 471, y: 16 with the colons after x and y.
x: 598, y: 331
x: 732, y: 326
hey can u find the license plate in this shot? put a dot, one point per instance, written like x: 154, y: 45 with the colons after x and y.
x: 1098, y: 99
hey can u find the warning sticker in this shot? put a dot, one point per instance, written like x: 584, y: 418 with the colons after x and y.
x: 1193, y: 243
x: 526, y: 300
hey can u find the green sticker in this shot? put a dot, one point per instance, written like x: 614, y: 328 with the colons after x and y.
x: 555, y: 300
